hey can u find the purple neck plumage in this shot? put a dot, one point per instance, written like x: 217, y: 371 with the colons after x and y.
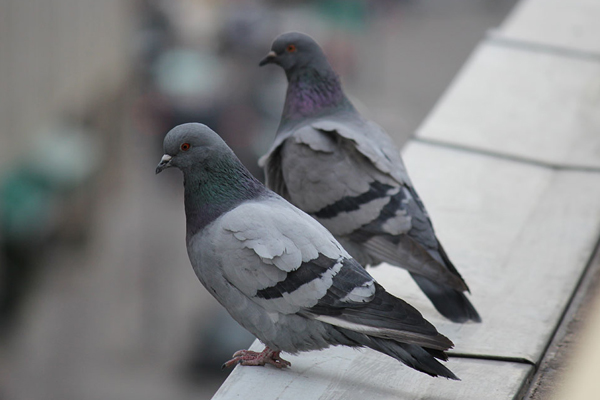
x: 312, y: 93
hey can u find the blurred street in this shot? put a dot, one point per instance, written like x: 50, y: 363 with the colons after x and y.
x: 111, y: 308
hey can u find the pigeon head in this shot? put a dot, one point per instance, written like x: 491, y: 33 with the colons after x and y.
x: 191, y: 144
x: 215, y: 180
x: 294, y: 50
x: 314, y: 89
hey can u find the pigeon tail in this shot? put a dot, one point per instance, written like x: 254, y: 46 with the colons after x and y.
x: 420, y: 358
x: 451, y: 303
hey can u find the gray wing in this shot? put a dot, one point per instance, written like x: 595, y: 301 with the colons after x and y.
x: 287, y: 263
x: 278, y: 256
x: 351, y: 178
x: 325, y: 137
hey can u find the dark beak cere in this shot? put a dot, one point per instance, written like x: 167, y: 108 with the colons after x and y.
x: 165, y: 162
x: 270, y: 58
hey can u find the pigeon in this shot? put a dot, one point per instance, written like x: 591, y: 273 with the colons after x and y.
x: 346, y: 172
x: 279, y: 273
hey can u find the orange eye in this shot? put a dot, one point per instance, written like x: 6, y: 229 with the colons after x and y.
x: 185, y: 147
x: 291, y: 48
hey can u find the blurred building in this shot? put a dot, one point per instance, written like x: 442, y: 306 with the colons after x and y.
x: 59, y: 60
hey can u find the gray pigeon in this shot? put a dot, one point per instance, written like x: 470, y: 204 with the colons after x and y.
x: 278, y: 272
x: 346, y: 172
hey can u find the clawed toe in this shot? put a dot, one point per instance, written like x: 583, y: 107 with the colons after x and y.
x: 248, y: 357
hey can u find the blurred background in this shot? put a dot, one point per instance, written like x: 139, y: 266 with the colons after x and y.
x: 97, y: 296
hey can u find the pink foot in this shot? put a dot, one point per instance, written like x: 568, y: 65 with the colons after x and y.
x: 247, y: 357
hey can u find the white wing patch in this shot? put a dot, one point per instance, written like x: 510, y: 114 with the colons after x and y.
x: 360, y: 294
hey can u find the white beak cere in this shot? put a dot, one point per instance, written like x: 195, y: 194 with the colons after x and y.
x: 165, y: 162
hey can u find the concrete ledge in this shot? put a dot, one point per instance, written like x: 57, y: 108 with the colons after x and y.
x: 343, y: 373
x: 569, y: 24
x: 520, y: 102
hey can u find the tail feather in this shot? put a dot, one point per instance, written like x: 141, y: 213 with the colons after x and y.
x: 385, y: 316
x: 451, y: 303
x: 417, y: 357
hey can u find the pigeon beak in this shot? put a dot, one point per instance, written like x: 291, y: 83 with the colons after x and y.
x: 165, y: 162
x: 270, y: 58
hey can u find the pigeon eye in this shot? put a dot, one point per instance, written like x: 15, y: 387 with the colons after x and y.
x: 291, y: 48
x: 185, y: 147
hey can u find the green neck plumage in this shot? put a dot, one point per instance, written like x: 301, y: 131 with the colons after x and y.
x: 215, y: 187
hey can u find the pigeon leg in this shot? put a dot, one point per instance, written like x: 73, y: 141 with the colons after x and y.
x: 267, y: 356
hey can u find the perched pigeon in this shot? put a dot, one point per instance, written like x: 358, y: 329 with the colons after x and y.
x: 278, y: 272
x: 346, y: 172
